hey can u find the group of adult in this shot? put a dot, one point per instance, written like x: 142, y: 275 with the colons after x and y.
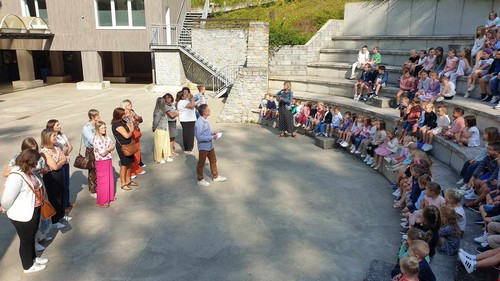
x: 40, y: 174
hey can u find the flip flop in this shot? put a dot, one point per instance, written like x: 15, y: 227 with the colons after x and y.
x: 126, y: 187
x: 132, y: 183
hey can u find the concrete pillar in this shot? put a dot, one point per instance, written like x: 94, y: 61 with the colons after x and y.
x: 57, y: 68
x: 26, y: 71
x: 92, y: 72
x: 117, y: 59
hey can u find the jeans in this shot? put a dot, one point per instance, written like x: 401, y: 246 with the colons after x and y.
x: 467, y: 170
x: 321, y: 128
x: 494, y: 83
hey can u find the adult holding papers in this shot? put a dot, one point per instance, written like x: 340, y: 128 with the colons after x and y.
x: 205, y: 138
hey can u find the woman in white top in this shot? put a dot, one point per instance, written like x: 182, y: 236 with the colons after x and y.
x: 363, y: 57
x: 22, y: 202
x: 63, y: 143
x: 187, y: 117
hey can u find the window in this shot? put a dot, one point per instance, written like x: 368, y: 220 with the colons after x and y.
x: 120, y: 13
x: 34, y: 8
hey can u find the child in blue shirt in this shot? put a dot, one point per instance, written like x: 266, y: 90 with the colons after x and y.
x: 380, y: 81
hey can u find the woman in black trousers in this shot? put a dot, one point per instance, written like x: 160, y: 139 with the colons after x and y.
x: 187, y: 117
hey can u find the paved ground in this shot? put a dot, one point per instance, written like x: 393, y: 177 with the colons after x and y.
x: 289, y: 210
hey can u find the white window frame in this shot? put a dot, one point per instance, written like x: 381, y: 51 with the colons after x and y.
x: 113, y: 17
x: 25, y: 9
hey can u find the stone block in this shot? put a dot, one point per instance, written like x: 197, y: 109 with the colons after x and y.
x: 27, y: 84
x: 449, y: 15
x: 58, y: 79
x: 398, y: 14
x: 325, y: 143
x: 83, y: 85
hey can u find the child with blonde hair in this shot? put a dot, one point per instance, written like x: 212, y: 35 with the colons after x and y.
x: 390, y: 146
x: 409, y: 269
x: 452, y: 198
x: 346, y: 125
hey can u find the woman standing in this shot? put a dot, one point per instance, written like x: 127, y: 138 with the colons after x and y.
x: 132, y: 117
x: 63, y: 143
x: 123, y: 132
x: 285, y: 97
x: 103, y: 145
x: 54, y: 180
x: 22, y: 202
x: 161, y: 133
x: 187, y: 117
x: 172, y: 114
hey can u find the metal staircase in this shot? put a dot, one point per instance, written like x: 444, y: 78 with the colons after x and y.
x: 185, y: 35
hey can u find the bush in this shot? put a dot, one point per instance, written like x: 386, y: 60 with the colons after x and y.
x: 280, y: 34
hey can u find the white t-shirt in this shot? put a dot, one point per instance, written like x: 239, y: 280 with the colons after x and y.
x: 474, y: 140
x: 443, y: 121
x: 461, y: 222
x: 363, y: 58
x: 185, y: 114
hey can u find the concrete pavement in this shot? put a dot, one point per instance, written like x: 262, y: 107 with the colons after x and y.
x: 289, y: 210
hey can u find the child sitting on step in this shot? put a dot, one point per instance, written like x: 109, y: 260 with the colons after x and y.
x: 355, y: 129
x: 272, y: 111
x: 389, y: 147
x: 263, y: 106
x: 310, y: 117
x: 448, y: 90
x: 380, y: 81
x: 452, y: 198
x: 318, y: 116
x: 424, y: 82
x: 405, y: 85
x: 433, y: 90
x: 336, y: 121
x: 457, y: 125
x: 469, y: 135
x: 364, y: 82
x: 411, y: 63
x: 363, y: 133
x: 363, y: 58
x: 430, y: 122
x: 451, y: 63
x: 296, y: 112
x: 304, y: 113
x: 449, y: 233
x: 418, y: 249
x: 345, y: 125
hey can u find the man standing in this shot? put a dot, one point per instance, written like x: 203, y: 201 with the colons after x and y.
x: 205, y: 137
x: 88, y: 133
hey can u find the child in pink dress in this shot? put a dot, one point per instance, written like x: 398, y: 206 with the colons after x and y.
x: 103, y: 145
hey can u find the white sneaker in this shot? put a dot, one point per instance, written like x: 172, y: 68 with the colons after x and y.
x: 429, y: 147
x: 355, y: 97
x: 484, y: 244
x: 404, y: 237
x: 388, y: 159
x: 467, y: 94
x: 353, y: 149
x: 461, y: 181
x: 404, y: 219
x: 142, y: 172
x: 67, y: 218
x: 469, y: 191
x: 220, y: 179
x: 133, y: 177
x: 463, y: 187
x: 370, y: 161
x: 396, y: 193
x: 357, y: 152
x: 170, y: 159
x: 41, y: 260
x: 58, y: 225
x: 495, y: 99
x: 482, y: 239
x: 93, y: 195
x: 35, y: 268
x: 39, y: 247
x: 344, y: 144
x: 471, y: 196
x: 203, y: 182
x: 497, y: 106
x: 470, y: 265
x: 440, y: 99
x: 143, y: 166
x: 352, y: 77
x: 471, y: 88
x: 467, y: 255
x: 163, y: 161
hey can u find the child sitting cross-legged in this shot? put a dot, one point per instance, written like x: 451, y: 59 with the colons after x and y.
x: 449, y: 233
x: 336, y: 121
x: 345, y: 126
x: 409, y: 269
x: 357, y: 126
x: 363, y: 133
x: 324, y: 121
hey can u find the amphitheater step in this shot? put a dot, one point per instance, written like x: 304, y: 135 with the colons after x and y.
x: 390, y: 57
x: 401, y: 42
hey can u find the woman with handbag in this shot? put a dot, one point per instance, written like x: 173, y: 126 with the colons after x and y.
x: 54, y: 179
x: 123, y: 132
x: 103, y: 145
x: 161, y: 133
x: 63, y: 143
x: 132, y: 117
x: 22, y: 201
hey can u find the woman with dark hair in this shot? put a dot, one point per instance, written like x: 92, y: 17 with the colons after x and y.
x: 284, y: 98
x: 63, y: 143
x: 54, y: 179
x: 123, y: 132
x: 22, y: 202
x: 440, y: 60
x: 187, y: 117
x: 172, y: 114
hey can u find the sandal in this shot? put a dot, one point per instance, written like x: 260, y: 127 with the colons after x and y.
x: 293, y: 135
x: 132, y: 183
x: 102, y: 206
x: 282, y: 135
x: 126, y: 187
x: 396, y: 205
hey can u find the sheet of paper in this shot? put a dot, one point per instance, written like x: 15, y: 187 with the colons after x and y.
x: 219, y: 135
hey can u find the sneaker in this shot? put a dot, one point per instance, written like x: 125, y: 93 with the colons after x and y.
x: 405, y: 225
x: 469, y: 191
x: 466, y: 95
x: 404, y: 220
x: 357, y: 152
x: 370, y: 162
x: 143, y: 165
x: 424, y: 147
x: 480, y: 222
x: 481, y: 239
x: 497, y: 106
x: 429, y: 147
x: 352, y: 77
x: 396, y: 193
x: 67, y: 218
x: 93, y: 195
x: 388, y: 159
x: 440, y: 99
x: 353, y: 149
x: 480, y: 250
x: 35, y: 268
x: 495, y: 99
x: 404, y: 237
x: 471, y: 88
x: 133, y: 176
x: 467, y: 255
x: 142, y: 172
x: 41, y: 260
x: 162, y: 161
x: 469, y: 265
x: 463, y: 187
x: 203, y: 182
x: 404, y: 231
x: 461, y: 181
x: 356, y: 97
x: 220, y: 179
x: 484, y: 244
x: 170, y: 159
x: 344, y: 144
x: 487, y: 98
x: 376, y: 167
x: 39, y: 247
x: 471, y: 196
x: 58, y: 225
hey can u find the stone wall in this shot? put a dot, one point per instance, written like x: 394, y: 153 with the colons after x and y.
x: 221, y: 46
x: 417, y: 17
x: 169, y: 70
x: 251, y: 83
x: 292, y: 60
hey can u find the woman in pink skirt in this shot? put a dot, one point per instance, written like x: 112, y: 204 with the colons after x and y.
x: 103, y: 145
x: 390, y: 146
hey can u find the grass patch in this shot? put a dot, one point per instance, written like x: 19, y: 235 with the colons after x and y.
x: 292, y: 22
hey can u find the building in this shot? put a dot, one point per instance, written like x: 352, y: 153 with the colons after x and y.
x: 92, y: 42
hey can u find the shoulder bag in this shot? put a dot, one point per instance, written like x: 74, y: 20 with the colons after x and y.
x: 47, y: 210
x: 82, y: 162
x: 127, y: 149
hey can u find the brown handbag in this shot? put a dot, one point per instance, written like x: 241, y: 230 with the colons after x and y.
x: 47, y: 210
x: 83, y: 162
x: 127, y: 149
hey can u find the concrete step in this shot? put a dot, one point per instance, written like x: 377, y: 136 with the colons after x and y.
x: 310, y: 86
x: 400, y: 42
x: 390, y: 57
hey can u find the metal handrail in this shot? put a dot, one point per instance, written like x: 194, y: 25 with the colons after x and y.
x: 180, y: 13
x: 204, y: 15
